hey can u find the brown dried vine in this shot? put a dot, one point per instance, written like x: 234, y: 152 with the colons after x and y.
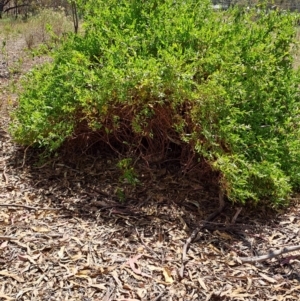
x: 152, y: 136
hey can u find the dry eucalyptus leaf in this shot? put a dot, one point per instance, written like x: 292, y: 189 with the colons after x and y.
x: 167, y: 275
x: 41, y: 229
x: 266, y: 277
x: 5, y: 297
x: 202, y: 283
x: 14, y: 276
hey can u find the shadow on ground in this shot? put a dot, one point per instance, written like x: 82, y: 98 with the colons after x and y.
x: 104, y: 237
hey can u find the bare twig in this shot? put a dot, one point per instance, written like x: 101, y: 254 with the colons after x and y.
x: 148, y: 248
x: 45, y: 164
x: 28, y: 207
x: 158, y: 297
x: 75, y: 16
x: 24, y: 156
x: 196, y: 231
x: 238, y: 211
x: 4, y: 175
x: 7, y: 238
x: 270, y: 255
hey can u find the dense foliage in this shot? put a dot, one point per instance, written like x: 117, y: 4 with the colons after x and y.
x: 221, y: 82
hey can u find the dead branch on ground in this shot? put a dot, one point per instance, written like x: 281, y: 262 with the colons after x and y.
x: 270, y: 255
x: 28, y: 207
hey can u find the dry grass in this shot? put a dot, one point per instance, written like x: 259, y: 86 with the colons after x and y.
x: 297, y: 54
x: 46, y: 27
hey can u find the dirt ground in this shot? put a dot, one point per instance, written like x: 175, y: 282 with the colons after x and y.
x: 65, y: 234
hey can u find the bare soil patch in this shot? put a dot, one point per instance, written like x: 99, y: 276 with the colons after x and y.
x: 65, y: 235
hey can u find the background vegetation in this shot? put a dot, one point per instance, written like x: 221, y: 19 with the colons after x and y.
x: 292, y: 5
x: 26, y: 8
x: 147, y: 77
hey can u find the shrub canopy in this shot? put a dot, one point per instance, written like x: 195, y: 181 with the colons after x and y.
x: 220, y: 82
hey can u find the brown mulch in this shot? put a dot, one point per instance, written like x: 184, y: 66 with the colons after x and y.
x: 66, y: 234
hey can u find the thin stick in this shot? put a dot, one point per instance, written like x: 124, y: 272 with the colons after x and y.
x: 24, y: 156
x: 5, y: 176
x: 28, y: 207
x: 7, y: 238
x: 159, y: 296
x: 270, y: 255
x: 238, y: 211
x: 196, y: 231
x: 148, y: 248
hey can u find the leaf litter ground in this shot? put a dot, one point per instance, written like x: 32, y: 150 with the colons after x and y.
x: 65, y: 235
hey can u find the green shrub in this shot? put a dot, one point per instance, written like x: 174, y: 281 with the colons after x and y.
x: 221, y: 82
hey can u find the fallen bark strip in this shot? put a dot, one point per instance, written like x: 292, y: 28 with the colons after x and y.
x: 7, y: 238
x: 28, y: 207
x: 270, y: 255
x: 196, y: 231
